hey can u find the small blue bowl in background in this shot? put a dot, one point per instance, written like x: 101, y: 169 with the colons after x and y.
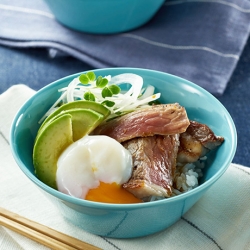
x: 105, y: 16
x: 129, y: 220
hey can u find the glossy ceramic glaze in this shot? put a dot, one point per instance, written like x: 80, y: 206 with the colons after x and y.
x: 104, y: 17
x: 132, y: 220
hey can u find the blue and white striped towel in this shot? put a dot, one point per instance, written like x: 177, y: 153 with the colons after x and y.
x: 200, y: 40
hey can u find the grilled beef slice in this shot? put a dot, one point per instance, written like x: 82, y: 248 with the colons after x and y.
x: 165, y: 119
x: 196, y: 142
x: 158, y: 137
x: 154, y: 161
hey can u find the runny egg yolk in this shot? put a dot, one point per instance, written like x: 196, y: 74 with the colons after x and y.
x: 94, y: 168
x: 111, y: 193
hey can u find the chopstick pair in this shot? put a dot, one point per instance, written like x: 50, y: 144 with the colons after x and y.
x: 40, y: 233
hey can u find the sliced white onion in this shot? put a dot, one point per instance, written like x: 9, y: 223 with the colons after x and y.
x: 136, y: 96
x: 71, y: 88
x: 149, y: 91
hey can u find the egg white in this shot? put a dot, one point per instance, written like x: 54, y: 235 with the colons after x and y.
x: 90, y: 160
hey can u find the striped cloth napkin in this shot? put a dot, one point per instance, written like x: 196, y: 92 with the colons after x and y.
x: 200, y: 40
x: 219, y: 220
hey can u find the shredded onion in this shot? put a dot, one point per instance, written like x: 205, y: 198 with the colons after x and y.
x: 136, y: 96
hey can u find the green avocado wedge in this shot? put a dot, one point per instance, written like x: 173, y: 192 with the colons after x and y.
x: 84, y: 121
x: 56, y: 135
x: 81, y: 104
x: 49, y: 145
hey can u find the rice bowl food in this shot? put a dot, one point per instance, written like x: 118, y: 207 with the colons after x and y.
x: 159, y: 152
x: 183, y: 174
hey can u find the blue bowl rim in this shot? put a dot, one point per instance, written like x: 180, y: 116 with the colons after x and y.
x: 110, y: 206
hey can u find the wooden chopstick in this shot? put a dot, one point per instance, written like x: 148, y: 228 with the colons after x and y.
x: 40, y: 233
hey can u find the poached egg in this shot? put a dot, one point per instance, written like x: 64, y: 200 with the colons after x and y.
x: 94, y: 168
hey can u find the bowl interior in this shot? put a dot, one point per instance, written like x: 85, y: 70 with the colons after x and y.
x: 200, y: 105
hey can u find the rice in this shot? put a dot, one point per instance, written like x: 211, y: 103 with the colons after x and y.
x: 187, y: 176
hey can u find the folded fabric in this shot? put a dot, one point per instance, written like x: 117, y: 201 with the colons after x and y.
x: 219, y: 220
x: 200, y: 40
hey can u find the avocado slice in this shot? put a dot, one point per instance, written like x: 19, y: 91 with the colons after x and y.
x: 84, y: 121
x: 49, y: 145
x: 81, y: 104
x: 56, y: 135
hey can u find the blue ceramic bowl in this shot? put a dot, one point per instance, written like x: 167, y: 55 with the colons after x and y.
x: 129, y: 220
x: 105, y: 16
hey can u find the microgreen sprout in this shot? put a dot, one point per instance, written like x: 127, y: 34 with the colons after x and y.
x: 108, y: 103
x: 88, y: 96
x: 91, y: 76
x: 110, y: 91
x: 87, y: 78
x: 114, y: 89
x: 101, y: 82
x: 106, y: 90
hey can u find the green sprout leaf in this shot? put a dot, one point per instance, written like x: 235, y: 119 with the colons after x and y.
x: 110, y: 91
x: 86, y: 78
x: 101, y: 82
x: 91, y: 76
x: 83, y: 78
x: 114, y: 89
x: 108, y: 103
x: 88, y: 96
x: 106, y: 92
